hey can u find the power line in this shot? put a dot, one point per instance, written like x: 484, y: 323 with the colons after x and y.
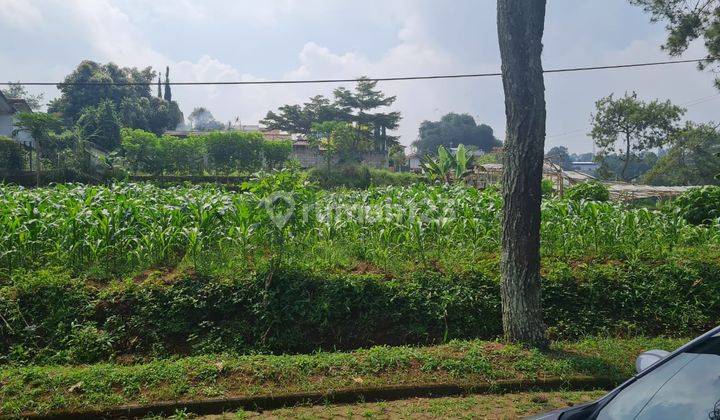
x: 374, y: 79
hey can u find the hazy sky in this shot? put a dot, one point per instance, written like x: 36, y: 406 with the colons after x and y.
x: 289, y: 39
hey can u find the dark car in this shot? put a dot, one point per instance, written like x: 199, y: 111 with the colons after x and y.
x: 684, y: 384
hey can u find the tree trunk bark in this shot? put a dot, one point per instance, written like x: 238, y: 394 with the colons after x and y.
x: 520, y: 29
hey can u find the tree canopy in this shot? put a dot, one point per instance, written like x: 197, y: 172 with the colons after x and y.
x: 353, y: 106
x: 135, y: 105
x: 559, y: 155
x: 692, y: 160
x: 452, y: 130
x: 630, y: 126
x: 687, y: 21
x: 201, y: 119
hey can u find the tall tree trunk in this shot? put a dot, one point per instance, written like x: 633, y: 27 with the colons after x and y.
x: 627, y: 156
x: 520, y: 29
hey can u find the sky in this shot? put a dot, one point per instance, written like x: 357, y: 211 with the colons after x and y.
x: 223, y: 40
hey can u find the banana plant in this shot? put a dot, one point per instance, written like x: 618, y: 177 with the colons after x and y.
x: 448, y: 167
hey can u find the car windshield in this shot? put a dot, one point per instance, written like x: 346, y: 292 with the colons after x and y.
x: 687, y: 386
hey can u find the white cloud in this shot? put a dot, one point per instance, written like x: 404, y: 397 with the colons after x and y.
x: 19, y: 13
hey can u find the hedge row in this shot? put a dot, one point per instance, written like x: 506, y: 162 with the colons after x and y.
x: 49, y: 317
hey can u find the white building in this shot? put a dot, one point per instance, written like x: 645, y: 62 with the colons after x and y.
x: 9, y: 107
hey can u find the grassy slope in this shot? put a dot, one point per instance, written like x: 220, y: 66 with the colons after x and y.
x: 506, y: 406
x: 46, y: 388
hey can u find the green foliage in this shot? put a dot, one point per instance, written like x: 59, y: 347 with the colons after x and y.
x: 234, y: 151
x: 453, y: 130
x: 101, y: 125
x: 631, y: 126
x: 54, y: 319
x: 40, y: 389
x: 547, y: 187
x: 11, y: 156
x: 276, y: 152
x: 384, y: 178
x: 347, y: 176
x: 592, y: 190
x: 226, y: 153
x: 135, y: 105
x: 692, y: 160
x: 448, y: 167
x: 341, y: 140
x: 559, y: 155
x: 687, y: 22
x: 349, y: 107
x: 699, y: 205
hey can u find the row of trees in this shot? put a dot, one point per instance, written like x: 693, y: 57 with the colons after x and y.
x: 365, y: 109
x: 645, y: 141
x: 217, y: 153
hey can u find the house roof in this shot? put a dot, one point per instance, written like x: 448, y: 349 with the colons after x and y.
x: 13, y: 105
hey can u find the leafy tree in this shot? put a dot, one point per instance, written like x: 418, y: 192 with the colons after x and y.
x: 101, y: 125
x: 612, y: 164
x: 687, y: 21
x: 300, y: 118
x: 92, y: 83
x: 454, y: 129
x: 630, y: 126
x: 364, y: 99
x: 396, y: 156
x: 520, y: 26
x: 16, y: 90
x: 559, y: 156
x: 692, y: 159
x: 342, y: 140
x: 168, y: 92
x: 201, y: 119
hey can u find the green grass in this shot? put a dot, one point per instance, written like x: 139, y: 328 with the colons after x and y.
x: 505, y: 406
x: 46, y: 388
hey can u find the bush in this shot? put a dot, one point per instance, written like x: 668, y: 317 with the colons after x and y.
x: 348, y: 176
x: 234, y: 151
x: 699, y: 205
x: 11, y: 156
x: 591, y: 191
x: 50, y: 317
x: 384, y: 178
x: 276, y: 152
x: 547, y: 187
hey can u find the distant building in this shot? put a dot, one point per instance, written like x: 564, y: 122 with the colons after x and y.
x: 587, y: 167
x: 413, y: 161
x: 473, y: 152
x: 9, y: 108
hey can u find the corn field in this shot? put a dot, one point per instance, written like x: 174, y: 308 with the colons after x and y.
x: 125, y: 228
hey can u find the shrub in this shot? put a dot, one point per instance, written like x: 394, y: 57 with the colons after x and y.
x: 348, y: 176
x: 52, y: 318
x: 591, y: 191
x: 699, y: 205
x: 234, y: 151
x: 11, y: 155
x: 276, y: 152
x: 547, y: 187
x: 384, y: 178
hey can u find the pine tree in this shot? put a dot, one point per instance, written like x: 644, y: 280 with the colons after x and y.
x: 168, y: 93
x: 366, y: 98
x: 159, y: 90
